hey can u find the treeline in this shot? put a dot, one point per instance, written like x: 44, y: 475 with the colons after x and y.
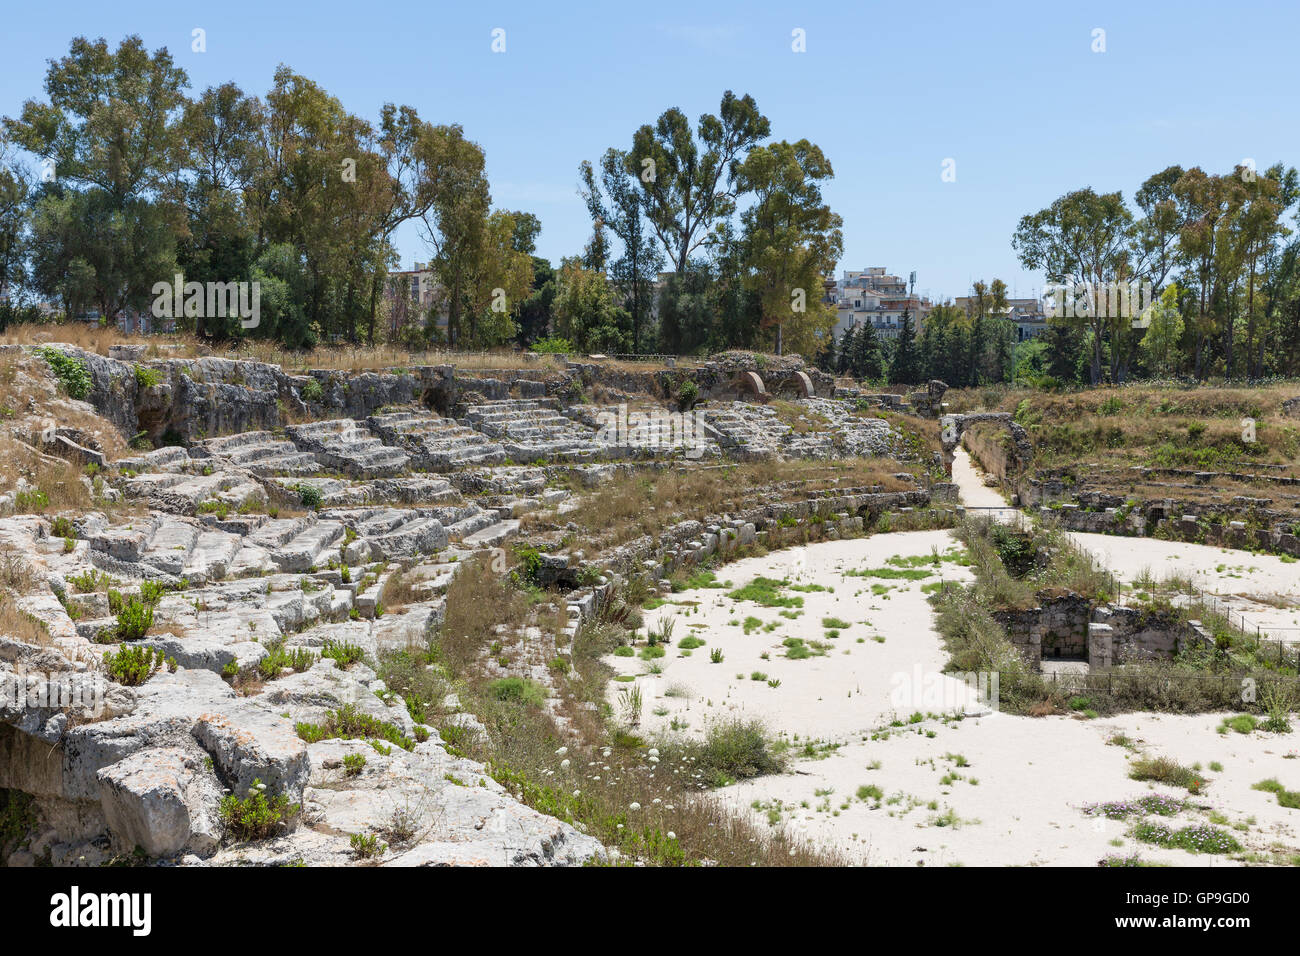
x: 751, y: 278
x: 1219, y: 253
x: 137, y: 181
x: 955, y: 346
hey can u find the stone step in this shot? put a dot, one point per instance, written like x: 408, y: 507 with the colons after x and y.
x: 491, y: 536
x: 304, y: 550
x: 171, y: 458
x: 471, y: 524
x: 170, y: 546
x: 409, y: 539
x: 279, y: 531
x: 212, y: 556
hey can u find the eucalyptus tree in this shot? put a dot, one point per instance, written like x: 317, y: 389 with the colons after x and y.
x: 792, y: 240
x: 688, y: 177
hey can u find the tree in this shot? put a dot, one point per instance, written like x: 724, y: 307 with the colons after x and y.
x: 866, y: 357
x: 905, y: 369
x: 110, y: 128
x: 1207, y: 206
x: 689, y: 184
x: 110, y: 122
x: 1083, y: 237
x: 1164, y: 332
x: 791, y: 239
x: 618, y: 203
x: 15, y: 214
x: 585, y: 312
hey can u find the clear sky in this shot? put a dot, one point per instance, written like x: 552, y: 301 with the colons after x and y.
x: 1012, y: 92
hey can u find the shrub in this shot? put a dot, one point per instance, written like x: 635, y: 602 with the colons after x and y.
x: 518, y: 690
x: 353, y: 764
x: 146, y: 377
x: 309, y: 495
x: 731, y: 750
x: 365, y: 846
x: 72, y: 373
x: 28, y: 501
x: 256, y: 817
x: 350, y: 723
x: 342, y: 651
x: 61, y: 527
x: 1164, y: 770
x: 132, y: 666
x: 553, y: 345
x: 312, y: 391
x: 133, y: 620
x: 1200, y: 838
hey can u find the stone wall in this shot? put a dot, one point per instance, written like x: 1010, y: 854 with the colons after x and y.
x: 1069, y: 626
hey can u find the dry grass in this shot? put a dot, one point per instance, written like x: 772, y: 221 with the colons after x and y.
x: 477, y: 602
x: 377, y: 358
x: 648, y: 502
x: 16, y: 579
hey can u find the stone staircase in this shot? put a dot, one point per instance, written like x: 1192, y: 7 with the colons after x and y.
x: 747, y: 431
x: 183, y: 493
x: 260, y: 452
x: 343, y: 445
x: 534, y: 429
x: 436, y: 443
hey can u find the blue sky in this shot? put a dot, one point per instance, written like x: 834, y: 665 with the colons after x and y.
x: 1012, y: 92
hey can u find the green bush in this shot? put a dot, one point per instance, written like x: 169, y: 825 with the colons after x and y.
x: 518, y: 690
x: 350, y: 723
x: 310, y: 496
x: 312, y: 391
x: 72, y: 373
x: 345, y: 653
x: 553, y: 345
x: 256, y: 817
x: 731, y: 750
x: 134, y: 620
x: 132, y: 666
x: 146, y: 377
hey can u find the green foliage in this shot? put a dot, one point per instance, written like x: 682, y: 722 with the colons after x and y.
x: 552, y: 345
x: 344, y: 652
x: 131, y: 666
x: 72, y: 373
x: 146, y: 377
x: 133, y: 620
x: 309, y: 495
x: 350, y: 723
x: 731, y: 750
x: 312, y: 391
x: 257, y: 816
x: 518, y: 690
x: 353, y: 764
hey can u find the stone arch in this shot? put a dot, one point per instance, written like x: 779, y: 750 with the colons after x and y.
x: 750, y: 384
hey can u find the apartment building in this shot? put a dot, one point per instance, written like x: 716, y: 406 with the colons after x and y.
x: 875, y: 295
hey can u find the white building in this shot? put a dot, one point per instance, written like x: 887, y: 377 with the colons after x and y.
x: 874, y: 295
